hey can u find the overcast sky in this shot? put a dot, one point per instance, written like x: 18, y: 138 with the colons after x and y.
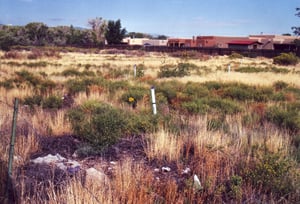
x: 175, y: 18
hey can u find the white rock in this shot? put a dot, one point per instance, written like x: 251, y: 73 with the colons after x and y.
x: 197, y: 183
x: 156, y: 170
x: 113, y: 163
x: 49, y: 159
x: 95, y: 178
x: 166, y: 169
x: 186, y: 170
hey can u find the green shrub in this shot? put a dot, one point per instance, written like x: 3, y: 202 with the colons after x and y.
x: 78, y: 85
x: 279, y: 70
x: 70, y: 72
x: 169, y: 89
x: 215, y: 124
x: 28, y: 77
x: 195, y: 107
x: 52, y: 102
x: 140, y: 70
x: 272, y: 174
x: 213, y: 85
x: 195, y: 90
x: 225, y: 106
x: 135, y: 93
x: 114, y: 86
x: 179, y: 70
x: 250, y: 69
x: 284, y: 118
x: 286, y: 59
x: 99, y: 124
x: 33, y: 100
x: 7, y: 84
x: 235, y: 55
x: 279, y: 85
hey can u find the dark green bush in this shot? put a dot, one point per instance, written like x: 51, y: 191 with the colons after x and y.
x: 7, y: 84
x: 235, y: 55
x: 213, y: 85
x: 102, y: 125
x: 284, y: 118
x: 224, y: 106
x: 250, y: 69
x: 33, y: 100
x: 286, y: 59
x: 279, y: 85
x: 52, y: 102
x: 137, y: 93
x: 196, y: 107
x: 99, y: 124
x: 71, y: 72
x: 201, y: 106
x: 27, y: 77
x: 215, y: 124
x: 78, y: 85
x: 179, y: 70
x: 195, y: 90
x: 272, y: 174
x: 169, y: 89
x: 279, y: 70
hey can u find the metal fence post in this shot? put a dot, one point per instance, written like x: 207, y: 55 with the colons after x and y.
x: 12, y: 144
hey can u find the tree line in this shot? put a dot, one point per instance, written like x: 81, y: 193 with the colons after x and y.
x: 39, y: 34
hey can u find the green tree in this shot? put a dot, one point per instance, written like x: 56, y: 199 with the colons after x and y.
x: 297, y: 29
x: 114, y: 32
x: 37, y: 33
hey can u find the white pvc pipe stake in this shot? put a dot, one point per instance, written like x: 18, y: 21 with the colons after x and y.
x: 153, y: 100
x: 229, y: 67
x: 134, y: 70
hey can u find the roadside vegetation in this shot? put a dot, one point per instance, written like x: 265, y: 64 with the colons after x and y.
x: 237, y: 130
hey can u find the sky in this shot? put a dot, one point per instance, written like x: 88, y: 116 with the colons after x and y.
x: 174, y: 18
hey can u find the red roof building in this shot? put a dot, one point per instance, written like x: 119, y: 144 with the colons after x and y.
x: 244, y: 44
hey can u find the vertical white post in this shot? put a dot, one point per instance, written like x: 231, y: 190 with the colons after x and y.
x: 229, y: 67
x: 134, y: 71
x: 153, y: 100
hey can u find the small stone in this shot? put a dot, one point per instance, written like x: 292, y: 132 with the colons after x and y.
x: 113, y: 163
x: 166, y: 169
x: 186, y: 170
x: 156, y: 170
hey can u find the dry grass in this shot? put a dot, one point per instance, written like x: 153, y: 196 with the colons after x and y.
x: 212, y: 155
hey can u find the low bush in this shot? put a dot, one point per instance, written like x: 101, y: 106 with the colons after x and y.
x: 32, y: 101
x: 28, y: 77
x: 204, y: 105
x: 7, y: 84
x: 99, y: 124
x: 216, y: 124
x: 279, y: 70
x: 272, y: 174
x: 285, y: 118
x: 286, y: 59
x: 179, y: 70
x: 70, y: 72
x: 279, y: 85
x: 250, y: 69
x: 52, y: 102
x: 134, y: 94
x: 235, y: 55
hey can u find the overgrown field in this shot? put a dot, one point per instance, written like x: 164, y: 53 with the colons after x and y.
x: 232, y: 121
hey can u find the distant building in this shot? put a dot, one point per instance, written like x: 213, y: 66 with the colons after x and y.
x: 216, y: 41
x: 181, y: 42
x: 268, y: 42
x: 244, y: 44
x: 145, y: 41
x: 276, y: 42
